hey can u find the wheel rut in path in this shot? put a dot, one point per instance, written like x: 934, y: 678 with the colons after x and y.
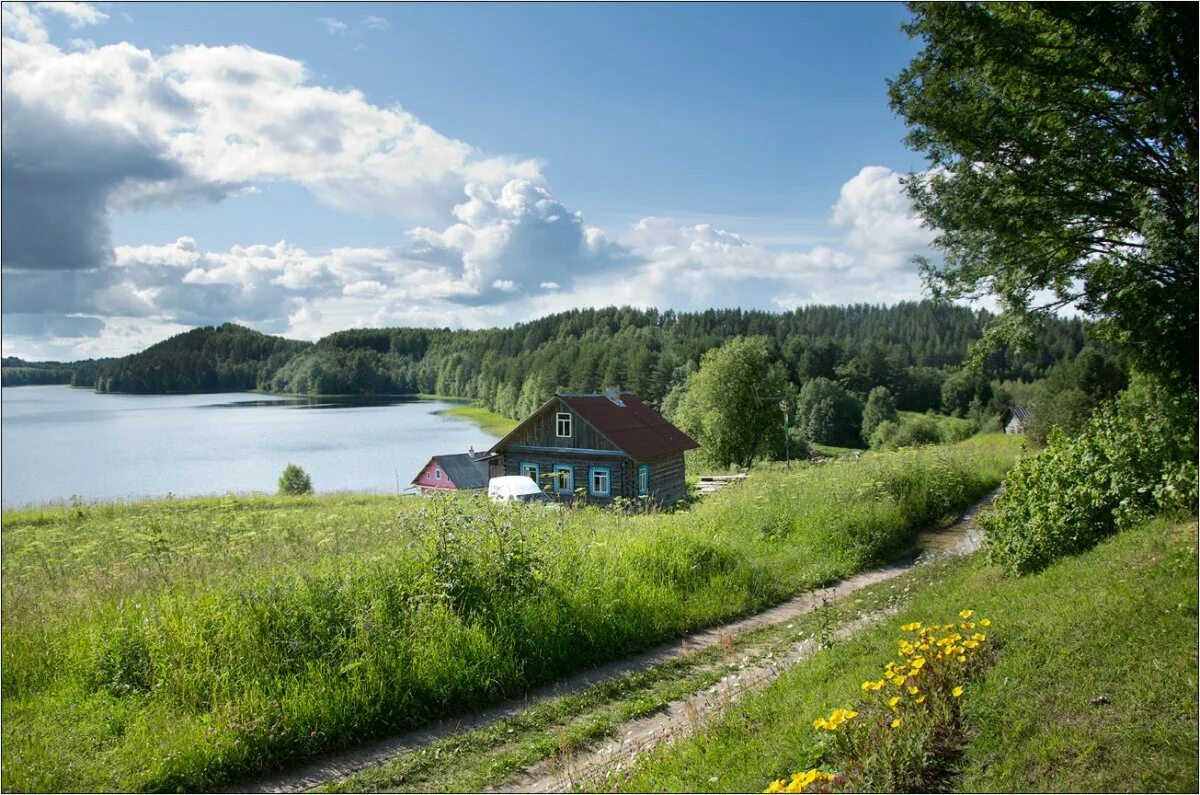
x: 553, y: 775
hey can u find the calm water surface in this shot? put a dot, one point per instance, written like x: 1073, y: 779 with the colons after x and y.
x: 59, y: 442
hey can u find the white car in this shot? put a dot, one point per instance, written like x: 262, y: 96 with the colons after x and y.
x: 515, y: 488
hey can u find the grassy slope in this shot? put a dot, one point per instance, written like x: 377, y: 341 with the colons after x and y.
x: 487, y: 421
x: 179, y: 643
x: 1118, y: 622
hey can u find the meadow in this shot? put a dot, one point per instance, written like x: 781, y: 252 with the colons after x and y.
x: 1092, y: 689
x: 185, y: 643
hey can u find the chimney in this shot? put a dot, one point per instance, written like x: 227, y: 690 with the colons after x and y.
x: 613, y: 393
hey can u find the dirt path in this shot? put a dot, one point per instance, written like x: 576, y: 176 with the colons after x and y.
x: 555, y: 775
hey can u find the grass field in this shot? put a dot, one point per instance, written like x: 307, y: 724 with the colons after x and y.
x: 487, y: 421
x: 1094, y: 688
x: 181, y: 643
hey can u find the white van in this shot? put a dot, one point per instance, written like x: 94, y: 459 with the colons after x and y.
x: 513, y: 488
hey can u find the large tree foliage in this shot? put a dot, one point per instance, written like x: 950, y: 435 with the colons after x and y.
x: 881, y: 407
x: 731, y: 406
x: 1062, y: 143
x: 828, y: 414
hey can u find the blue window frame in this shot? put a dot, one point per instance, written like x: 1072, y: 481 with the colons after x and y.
x: 564, y: 479
x: 643, y: 482
x: 599, y: 481
x: 532, y: 470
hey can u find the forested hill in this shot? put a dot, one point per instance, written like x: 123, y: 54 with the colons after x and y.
x: 222, y: 359
x: 911, y: 348
x: 18, y: 372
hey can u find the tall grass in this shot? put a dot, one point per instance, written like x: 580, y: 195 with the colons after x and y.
x: 178, y: 644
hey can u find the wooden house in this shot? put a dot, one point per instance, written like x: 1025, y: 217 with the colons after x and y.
x: 1016, y: 419
x: 460, y: 472
x: 603, y: 445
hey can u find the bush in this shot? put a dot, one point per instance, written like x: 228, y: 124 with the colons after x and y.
x: 1136, y: 458
x: 797, y: 447
x: 913, y: 432
x: 295, y: 480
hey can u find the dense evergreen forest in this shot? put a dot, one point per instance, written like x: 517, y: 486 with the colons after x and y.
x: 911, y: 348
x: 18, y: 372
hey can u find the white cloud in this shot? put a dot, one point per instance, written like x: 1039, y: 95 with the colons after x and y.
x: 376, y: 23
x: 333, y: 26
x: 77, y: 14
x: 25, y: 22
x: 515, y: 239
x: 882, y: 225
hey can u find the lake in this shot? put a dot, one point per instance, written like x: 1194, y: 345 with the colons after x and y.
x: 59, y: 442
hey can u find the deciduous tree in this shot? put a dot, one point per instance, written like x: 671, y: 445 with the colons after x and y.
x: 731, y: 404
x: 1062, y: 146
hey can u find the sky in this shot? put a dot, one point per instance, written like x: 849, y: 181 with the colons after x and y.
x: 305, y: 168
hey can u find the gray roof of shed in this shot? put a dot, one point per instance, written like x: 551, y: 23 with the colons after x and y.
x: 1022, y: 413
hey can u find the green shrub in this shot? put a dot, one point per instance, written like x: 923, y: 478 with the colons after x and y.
x: 913, y: 432
x: 797, y: 446
x: 1135, y: 459
x: 294, y: 480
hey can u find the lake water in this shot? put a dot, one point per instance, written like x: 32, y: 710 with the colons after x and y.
x: 59, y: 442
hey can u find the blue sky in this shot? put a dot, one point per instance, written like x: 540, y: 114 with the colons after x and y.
x: 318, y: 166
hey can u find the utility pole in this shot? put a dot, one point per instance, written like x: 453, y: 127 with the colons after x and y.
x: 787, y: 439
x: 787, y: 451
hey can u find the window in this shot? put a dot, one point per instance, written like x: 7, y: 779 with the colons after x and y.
x: 437, y: 474
x: 531, y: 471
x: 564, y: 479
x: 598, y: 481
x: 643, y: 480
x: 562, y: 422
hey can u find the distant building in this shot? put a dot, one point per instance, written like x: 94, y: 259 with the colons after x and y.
x: 1016, y: 419
x: 605, y: 445
x: 459, y: 472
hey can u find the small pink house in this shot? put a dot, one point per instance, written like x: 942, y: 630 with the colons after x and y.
x: 460, y: 472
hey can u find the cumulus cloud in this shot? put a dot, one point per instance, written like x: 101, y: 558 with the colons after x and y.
x: 375, y: 23
x: 117, y: 128
x: 515, y: 240
x: 881, y: 223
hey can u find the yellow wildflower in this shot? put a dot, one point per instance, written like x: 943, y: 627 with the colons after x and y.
x: 893, y: 701
x: 962, y: 659
x: 896, y: 723
x: 957, y: 691
x: 979, y: 636
x: 921, y: 699
x: 966, y: 613
x: 913, y: 690
x: 985, y: 622
x: 917, y: 663
x: 911, y: 627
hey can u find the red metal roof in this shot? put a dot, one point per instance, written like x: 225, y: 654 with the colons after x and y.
x: 640, y: 431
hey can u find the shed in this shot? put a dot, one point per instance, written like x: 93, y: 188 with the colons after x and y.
x: 1016, y: 419
x: 456, y: 472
